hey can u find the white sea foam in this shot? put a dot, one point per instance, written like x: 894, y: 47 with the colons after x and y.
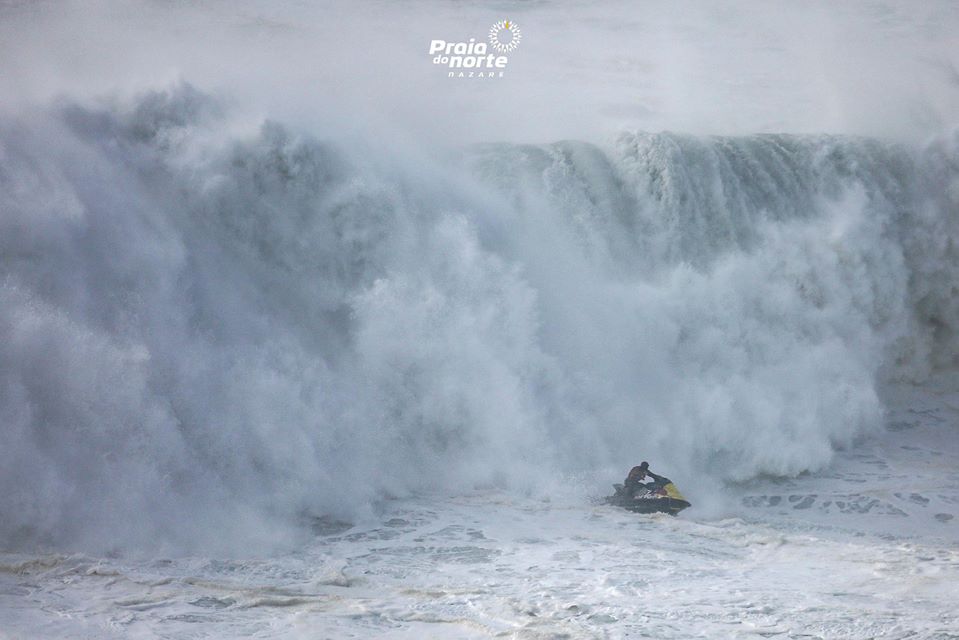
x: 276, y: 294
x: 256, y: 326
x: 880, y: 561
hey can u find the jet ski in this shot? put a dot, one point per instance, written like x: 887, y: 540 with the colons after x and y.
x: 666, y: 499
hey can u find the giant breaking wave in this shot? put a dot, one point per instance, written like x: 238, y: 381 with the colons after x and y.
x: 206, y: 329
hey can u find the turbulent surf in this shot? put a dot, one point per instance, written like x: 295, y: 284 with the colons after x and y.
x: 302, y: 336
x: 259, y: 324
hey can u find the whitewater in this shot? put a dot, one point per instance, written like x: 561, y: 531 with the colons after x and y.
x: 362, y: 362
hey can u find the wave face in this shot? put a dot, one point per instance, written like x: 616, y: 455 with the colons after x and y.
x: 204, y: 330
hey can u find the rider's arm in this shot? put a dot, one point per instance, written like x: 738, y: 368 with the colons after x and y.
x: 660, y: 480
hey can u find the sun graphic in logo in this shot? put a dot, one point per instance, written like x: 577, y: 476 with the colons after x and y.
x: 504, y: 36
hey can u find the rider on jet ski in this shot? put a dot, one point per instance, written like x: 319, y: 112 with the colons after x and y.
x: 637, y: 474
x: 658, y: 495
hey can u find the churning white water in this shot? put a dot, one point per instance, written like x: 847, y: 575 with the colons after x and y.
x: 302, y: 368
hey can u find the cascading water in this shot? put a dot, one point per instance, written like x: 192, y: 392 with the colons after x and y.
x: 202, y: 328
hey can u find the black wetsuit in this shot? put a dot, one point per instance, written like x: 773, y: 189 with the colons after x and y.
x: 633, y: 481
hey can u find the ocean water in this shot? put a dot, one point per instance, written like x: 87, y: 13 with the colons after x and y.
x: 867, y: 548
x: 300, y: 337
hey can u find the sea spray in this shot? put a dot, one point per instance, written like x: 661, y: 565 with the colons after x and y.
x: 204, y: 331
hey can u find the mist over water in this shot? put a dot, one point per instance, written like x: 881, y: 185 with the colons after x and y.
x: 267, y: 325
x: 212, y: 320
x: 583, y: 72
